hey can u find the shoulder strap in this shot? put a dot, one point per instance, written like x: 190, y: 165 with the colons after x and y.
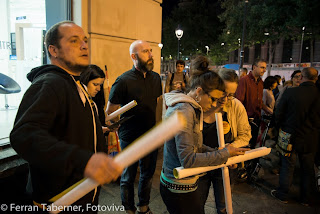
x: 171, y: 80
x: 184, y: 78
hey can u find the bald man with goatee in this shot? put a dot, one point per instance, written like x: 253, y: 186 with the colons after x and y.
x: 143, y: 85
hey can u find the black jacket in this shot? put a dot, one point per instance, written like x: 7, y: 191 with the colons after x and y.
x: 53, y: 131
x: 298, y: 114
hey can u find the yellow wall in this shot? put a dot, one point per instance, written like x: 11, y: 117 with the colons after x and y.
x: 112, y: 25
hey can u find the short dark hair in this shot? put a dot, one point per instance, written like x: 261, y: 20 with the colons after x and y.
x: 181, y: 62
x: 201, y: 76
x: 92, y: 72
x: 269, y: 81
x: 244, y: 70
x: 229, y: 75
x: 294, y: 73
x: 53, y: 36
x: 256, y: 62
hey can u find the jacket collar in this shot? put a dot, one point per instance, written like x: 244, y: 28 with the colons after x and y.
x: 250, y: 75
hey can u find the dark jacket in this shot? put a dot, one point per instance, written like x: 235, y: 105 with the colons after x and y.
x: 298, y: 114
x: 53, y: 131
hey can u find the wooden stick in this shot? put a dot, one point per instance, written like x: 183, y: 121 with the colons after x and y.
x: 225, y: 170
x: 121, y: 110
x: 138, y: 149
x: 181, y: 172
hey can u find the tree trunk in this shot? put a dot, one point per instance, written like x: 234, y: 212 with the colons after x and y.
x: 316, y: 56
x: 311, y: 50
x: 278, y: 51
x: 271, y: 51
x: 264, y: 51
x: 296, y: 51
x: 251, y: 54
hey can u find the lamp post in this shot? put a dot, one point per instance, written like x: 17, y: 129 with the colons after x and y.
x: 300, y: 55
x: 179, y: 34
x: 243, y: 34
x: 207, y: 47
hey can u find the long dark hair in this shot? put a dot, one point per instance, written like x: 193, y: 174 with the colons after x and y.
x: 91, y: 73
x: 201, y: 76
x: 269, y: 81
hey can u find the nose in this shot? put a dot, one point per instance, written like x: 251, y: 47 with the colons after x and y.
x: 84, y: 45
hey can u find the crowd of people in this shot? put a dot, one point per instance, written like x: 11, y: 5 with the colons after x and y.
x: 60, y: 126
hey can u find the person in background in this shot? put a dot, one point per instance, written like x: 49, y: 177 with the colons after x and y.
x: 298, y: 119
x: 94, y: 78
x: 295, y: 79
x: 177, y: 80
x: 283, y: 80
x: 243, y: 72
x: 269, y: 84
x: 186, y: 148
x: 143, y: 85
x: 237, y: 133
x: 56, y: 129
x: 278, y: 88
x: 250, y: 92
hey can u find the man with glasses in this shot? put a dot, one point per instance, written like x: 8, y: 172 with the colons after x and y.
x: 250, y: 92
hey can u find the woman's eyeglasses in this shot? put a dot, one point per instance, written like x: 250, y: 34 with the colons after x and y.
x: 214, y: 99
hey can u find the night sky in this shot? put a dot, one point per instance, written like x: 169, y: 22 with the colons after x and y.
x: 167, y: 7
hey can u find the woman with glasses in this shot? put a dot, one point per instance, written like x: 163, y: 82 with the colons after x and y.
x: 186, y: 148
x: 237, y: 132
x: 295, y: 78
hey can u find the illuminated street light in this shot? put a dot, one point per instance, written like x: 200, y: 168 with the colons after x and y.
x: 179, y: 34
x: 207, y: 47
x: 160, y: 45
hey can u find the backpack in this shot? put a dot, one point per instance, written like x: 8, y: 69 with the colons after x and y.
x: 184, y: 78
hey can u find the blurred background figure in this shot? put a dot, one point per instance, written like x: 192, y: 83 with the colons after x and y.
x: 278, y: 88
x: 177, y: 80
x: 269, y: 84
x: 295, y: 82
x: 243, y: 72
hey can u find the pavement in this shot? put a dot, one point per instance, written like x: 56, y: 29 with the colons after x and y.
x: 253, y: 198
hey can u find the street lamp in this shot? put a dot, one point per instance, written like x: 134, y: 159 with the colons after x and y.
x: 160, y: 45
x: 301, y: 47
x: 243, y: 34
x: 179, y: 34
x: 207, y: 47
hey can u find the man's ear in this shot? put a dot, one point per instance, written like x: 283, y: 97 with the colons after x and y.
x: 53, y: 50
x: 133, y: 56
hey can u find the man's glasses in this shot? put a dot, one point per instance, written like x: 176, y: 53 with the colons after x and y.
x: 213, y: 99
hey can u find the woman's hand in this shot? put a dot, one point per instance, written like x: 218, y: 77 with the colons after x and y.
x: 233, y: 151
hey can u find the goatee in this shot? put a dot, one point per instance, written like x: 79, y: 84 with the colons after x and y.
x: 145, y: 66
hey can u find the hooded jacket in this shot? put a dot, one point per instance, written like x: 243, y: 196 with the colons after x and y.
x: 186, y: 148
x: 53, y: 132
